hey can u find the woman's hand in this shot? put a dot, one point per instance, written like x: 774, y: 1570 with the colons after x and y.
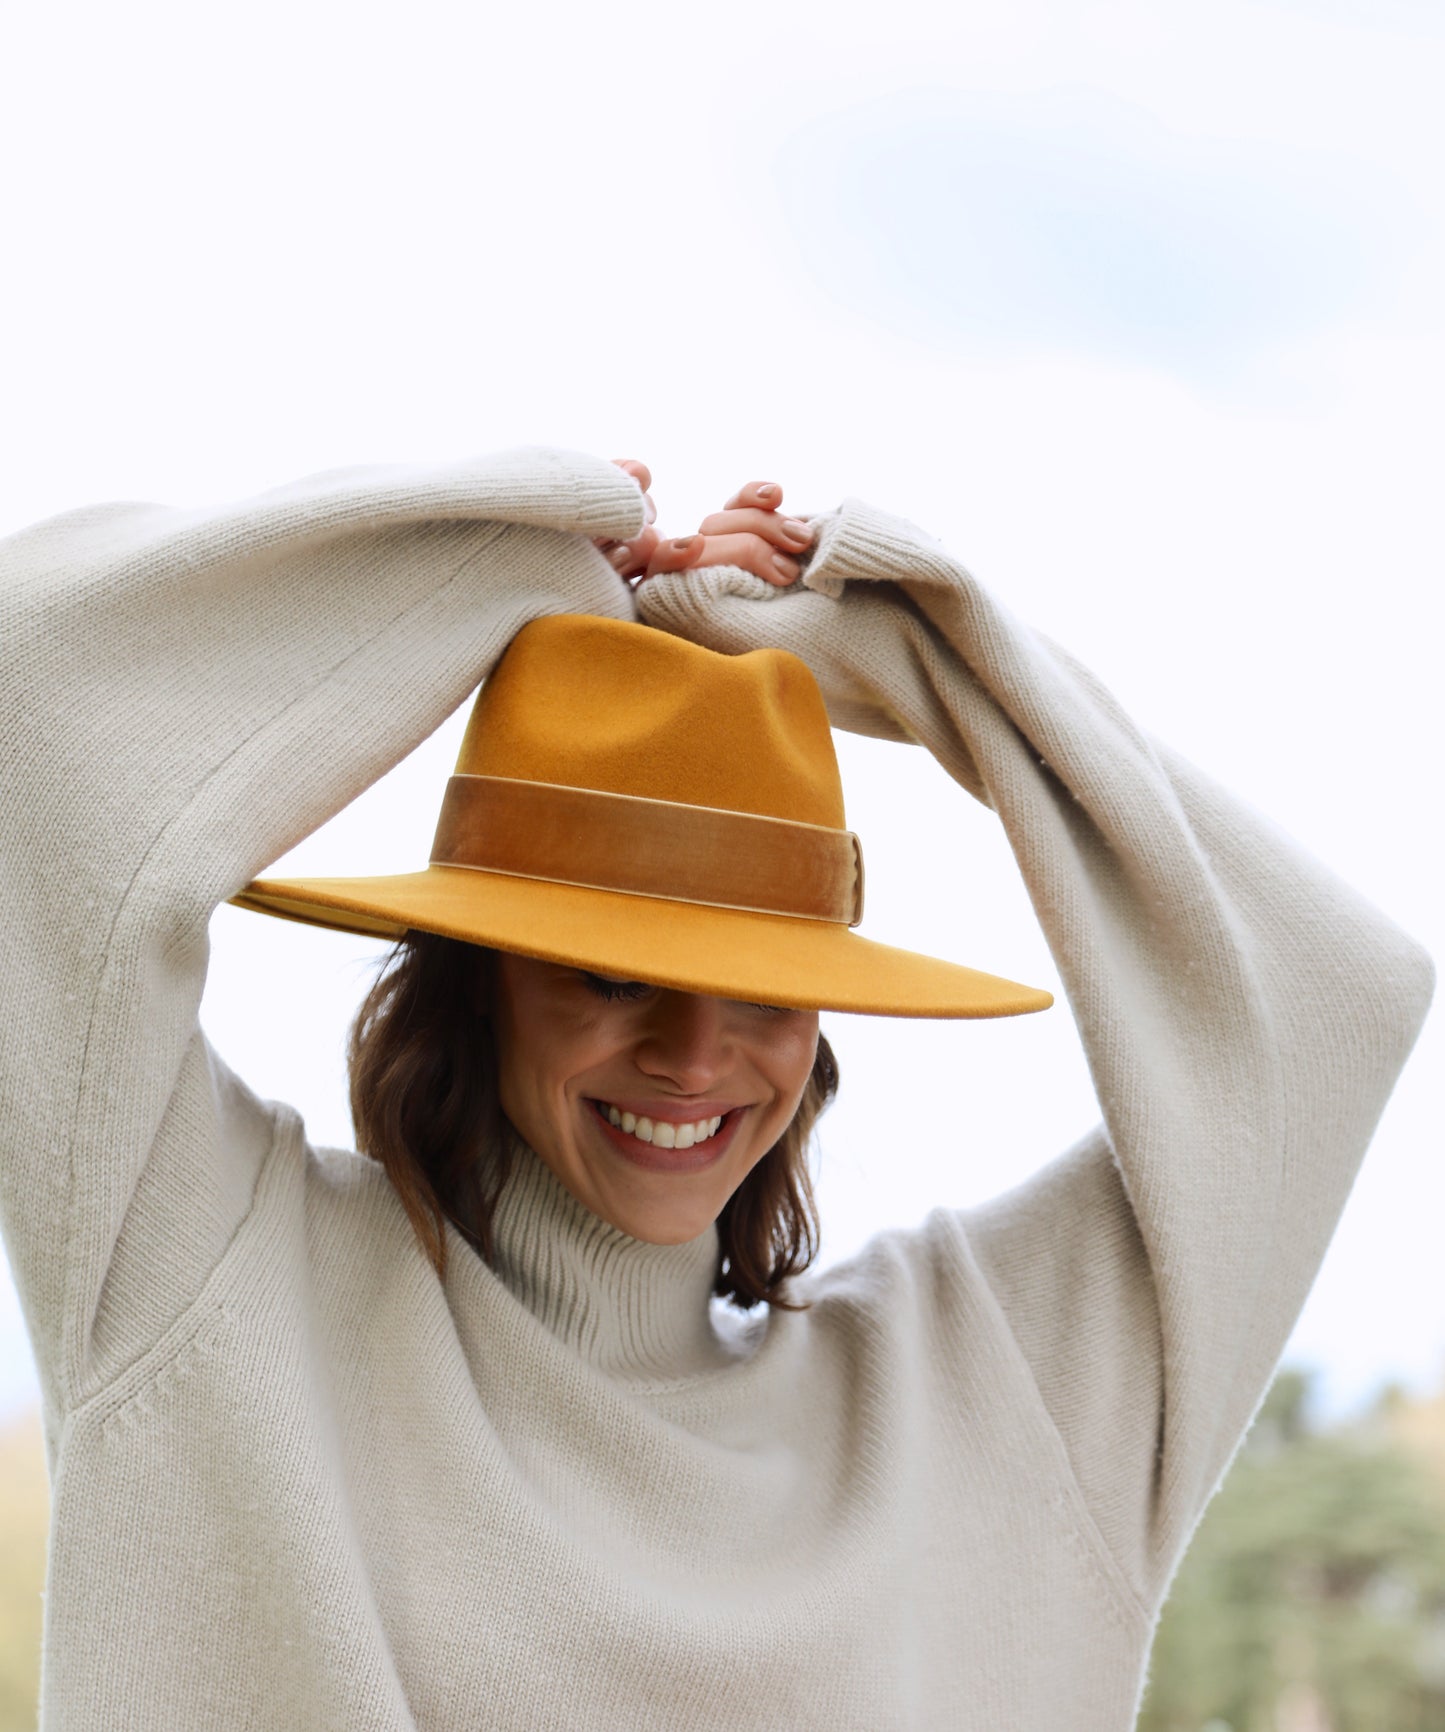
x: 748, y: 532
x: 628, y: 558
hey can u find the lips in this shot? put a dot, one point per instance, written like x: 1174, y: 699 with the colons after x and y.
x: 662, y: 1133
x: 670, y: 1145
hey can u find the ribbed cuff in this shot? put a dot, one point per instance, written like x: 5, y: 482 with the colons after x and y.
x: 859, y: 542
x: 609, y: 500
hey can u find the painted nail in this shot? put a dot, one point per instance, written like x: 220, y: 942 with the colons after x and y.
x: 767, y: 490
x: 685, y: 544
x: 620, y: 556
x: 784, y: 567
x: 796, y: 531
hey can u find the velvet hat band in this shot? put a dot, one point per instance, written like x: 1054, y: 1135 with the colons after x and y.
x: 711, y: 856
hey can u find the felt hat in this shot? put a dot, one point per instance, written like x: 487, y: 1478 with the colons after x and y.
x: 638, y: 806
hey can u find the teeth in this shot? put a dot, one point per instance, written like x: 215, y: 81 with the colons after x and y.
x: 662, y: 1134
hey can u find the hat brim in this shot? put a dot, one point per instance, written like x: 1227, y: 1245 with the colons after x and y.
x: 723, y: 952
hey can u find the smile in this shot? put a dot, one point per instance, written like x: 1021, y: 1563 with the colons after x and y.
x: 661, y: 1133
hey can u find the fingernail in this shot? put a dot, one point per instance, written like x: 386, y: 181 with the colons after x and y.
x: 767, y: 490
x: 796, y: 531
x: 687, y: 542
x: 784, y: 567
x: 619, y: 556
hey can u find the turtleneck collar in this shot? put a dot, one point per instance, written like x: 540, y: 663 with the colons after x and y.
x: 632, y: 1309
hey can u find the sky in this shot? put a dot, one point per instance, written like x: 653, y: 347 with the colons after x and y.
x: 1137, y: 308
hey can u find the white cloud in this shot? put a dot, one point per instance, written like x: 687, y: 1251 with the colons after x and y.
x: 1395, y: 17
x: 1071, y: 219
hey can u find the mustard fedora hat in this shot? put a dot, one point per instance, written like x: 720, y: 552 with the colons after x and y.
x: 632, y: 804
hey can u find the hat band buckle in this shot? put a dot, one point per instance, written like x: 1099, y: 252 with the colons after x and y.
x: 712, y: 856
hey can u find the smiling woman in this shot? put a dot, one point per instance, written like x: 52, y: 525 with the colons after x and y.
x: 458, y: 1428
x: 710, y: 1085
x: 662, y: 1112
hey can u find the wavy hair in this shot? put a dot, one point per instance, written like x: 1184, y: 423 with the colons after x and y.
x: 424, y: 1101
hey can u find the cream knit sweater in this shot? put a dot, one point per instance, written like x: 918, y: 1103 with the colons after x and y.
x: 300, y: 1483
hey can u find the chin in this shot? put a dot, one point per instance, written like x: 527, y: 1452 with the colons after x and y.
x: 666, y: 1220
x: 670, y: 1227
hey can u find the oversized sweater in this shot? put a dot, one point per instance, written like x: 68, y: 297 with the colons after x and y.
x: 301, y: 1482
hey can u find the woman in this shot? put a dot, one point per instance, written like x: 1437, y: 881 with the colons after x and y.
x: 313, y: 1468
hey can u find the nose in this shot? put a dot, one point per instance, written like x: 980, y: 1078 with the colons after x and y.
x: 686, y: 1043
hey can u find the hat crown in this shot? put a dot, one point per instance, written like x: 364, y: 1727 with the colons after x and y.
x: 590, y: 702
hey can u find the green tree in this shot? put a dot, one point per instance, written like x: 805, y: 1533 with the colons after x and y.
x: 1316, y: 1577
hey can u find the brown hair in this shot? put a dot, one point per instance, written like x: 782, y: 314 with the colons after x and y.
x: 425, y: 1106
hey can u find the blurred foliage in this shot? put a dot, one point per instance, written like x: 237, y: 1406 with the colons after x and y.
x: 24, y: 1518
x: 1313, y: 1596
x: 1311, y: 1600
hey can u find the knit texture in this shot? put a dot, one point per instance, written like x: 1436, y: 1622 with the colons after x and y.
x: 298, y: 1481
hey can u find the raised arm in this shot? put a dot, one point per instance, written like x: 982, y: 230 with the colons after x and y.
x: 184, y: 695
x: 1243, y: 1012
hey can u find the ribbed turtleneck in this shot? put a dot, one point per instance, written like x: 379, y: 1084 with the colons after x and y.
x: 632, y: 1309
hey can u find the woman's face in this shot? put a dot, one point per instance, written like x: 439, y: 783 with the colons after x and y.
x: 702, y: 1087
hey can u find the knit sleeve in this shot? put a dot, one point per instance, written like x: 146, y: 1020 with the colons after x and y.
x: 184, y: 695
x: 1244, y: 1016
